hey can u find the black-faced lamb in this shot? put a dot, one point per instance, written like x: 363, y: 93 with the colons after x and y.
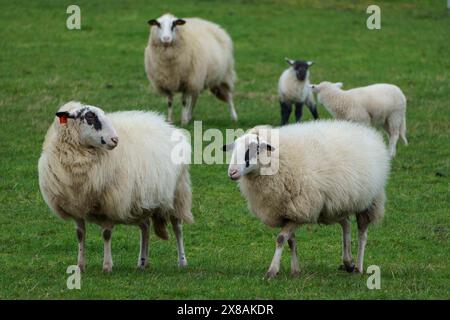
x: 293, y: 88
x: 320, y: 172
x: 188, y: 56
x: 86, y: 174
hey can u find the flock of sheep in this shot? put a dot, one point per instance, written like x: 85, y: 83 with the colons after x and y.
x: 327, y: 171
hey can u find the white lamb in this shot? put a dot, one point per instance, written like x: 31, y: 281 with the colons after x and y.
x: 189, y: 56
x: 85, y: 174
x: 316, y: 172
x: 381, y: 103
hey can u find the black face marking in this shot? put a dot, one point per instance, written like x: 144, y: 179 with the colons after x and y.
x: 92, y: 119
x: 301, y: 68
x: 102, y: 140
x: 247, y: 158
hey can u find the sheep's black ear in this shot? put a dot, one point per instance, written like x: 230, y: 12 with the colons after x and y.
x: 268, y: 147
x: 64, y: 114
x: 228, y: 147
x: 179, y: 22
x: 153, y: 22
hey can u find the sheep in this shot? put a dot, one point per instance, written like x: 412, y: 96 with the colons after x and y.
x: 320, y: 172
x: 375, y: 104
x: 188, y: 56
x: 85, y: 174
x: 293, y: 88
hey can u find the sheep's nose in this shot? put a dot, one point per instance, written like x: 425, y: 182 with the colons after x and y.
x: 166, y: 38
x: 232, y: 172
x: 115, y: 140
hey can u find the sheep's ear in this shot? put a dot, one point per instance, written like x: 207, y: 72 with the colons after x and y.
x: 289, y: 61
x: 310, y: 63
x: 153, y: 22
x: 228, y: 147
x: 179, y: 22
x: 64, y: 114
x: 339, y: 84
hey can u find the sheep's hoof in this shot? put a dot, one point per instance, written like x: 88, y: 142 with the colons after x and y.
x: 295, y: 274
x: 347, y: 267
x: 182, y: 263
x: 358, y: 271
x: 107, y: 268
x: 271, y: 274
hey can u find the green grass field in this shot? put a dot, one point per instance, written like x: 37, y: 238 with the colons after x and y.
x: 43, y: 65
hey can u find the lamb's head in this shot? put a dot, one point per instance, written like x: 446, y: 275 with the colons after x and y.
x: 300, y: 67
x: 91, y: 125
x: 246, y: 152
x: 165, y: 28
x: 326, y: 85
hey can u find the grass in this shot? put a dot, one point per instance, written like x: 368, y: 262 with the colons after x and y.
x: 42, y: 65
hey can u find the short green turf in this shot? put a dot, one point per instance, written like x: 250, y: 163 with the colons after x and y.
x: 43, y: 65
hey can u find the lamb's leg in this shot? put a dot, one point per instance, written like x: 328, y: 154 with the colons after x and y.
x: 107, y: 257
x: 312, y: 108
x: 192, y: 104
x: 178, y: 230
x: 81, y: 236
x: 223, y: 92
x: 170, y: 109
x: 284, y: 235
x: 143, y: 255
x: 295, y: 270
x: 347, y: 259
x: 298, y: 111
x: 285, y: 112
x: 363, y: 224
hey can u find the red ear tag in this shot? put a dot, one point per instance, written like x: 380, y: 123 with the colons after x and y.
x: 63, y: 120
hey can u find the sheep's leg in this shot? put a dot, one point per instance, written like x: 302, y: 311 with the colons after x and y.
x: 285, y: 112
x: 298, y: 111
x: 143, y: 255
x: 192, y: 104
x: 312, y: 108
x: 363, y: 224
x: 81, y: 236
x: 223, y: 93
x: 185, y: 112
x: 107, y: 257
x: 178, y: 230
x: 295, y: 270
x: 170, y: 109
x: 284, y: 235
x: 347, y: 259
x: 393, y: 138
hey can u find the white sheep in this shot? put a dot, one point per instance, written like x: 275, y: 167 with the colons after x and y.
x: 85, y: 174
x: 294, y: 88
x: 189, y: 56
x: 382, y: 103
x: 317, y: 172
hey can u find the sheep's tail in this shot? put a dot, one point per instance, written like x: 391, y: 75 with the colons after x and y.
x: 376, y: 212
x: 183, y: 197
x: 403, y: 130
x: 160, y: 226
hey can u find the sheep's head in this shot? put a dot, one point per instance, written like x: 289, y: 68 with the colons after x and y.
x: 317, y: 88
x: 93, y: 127
x: 246, y: 152
x: 165, y: 28
x: 300, y: 67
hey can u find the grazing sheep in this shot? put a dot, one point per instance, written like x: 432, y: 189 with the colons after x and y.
x: 375, y: 104
x: 85, y: 174
x: 293, y: 88
x: 188, y: 56
x: 318, y: 172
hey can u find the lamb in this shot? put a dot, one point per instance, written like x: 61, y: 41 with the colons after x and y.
x: 375, y: 104
x: 188, y: 56
x: 321, y: 172
x: 293, y: 88
x: 85, y: 174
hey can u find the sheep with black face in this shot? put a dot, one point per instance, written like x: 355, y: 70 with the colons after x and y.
x: 293, y: 88
x: 85, y: 174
